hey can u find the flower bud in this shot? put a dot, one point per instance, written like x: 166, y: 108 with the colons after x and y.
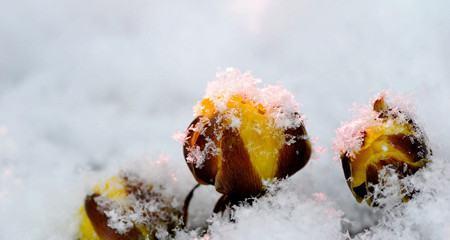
x: 243, y: 135
x: 384, y: 136
x: 126, y: 208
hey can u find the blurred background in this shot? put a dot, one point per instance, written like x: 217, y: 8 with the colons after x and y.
x: 89, y: 86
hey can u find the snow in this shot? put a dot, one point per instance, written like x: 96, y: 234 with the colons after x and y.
x: 426, y: 216
x: 293, y: 220
x: 278, y: 102
x: 89, y: 88
x: 350, y: 136
x: 144, y: 205
x: 180, y: 137
x: 198, y: 156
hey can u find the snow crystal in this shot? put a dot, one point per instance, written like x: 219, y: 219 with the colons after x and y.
x: 397, y: 102
x: 425, y: 216
x: 144, y: 205
x: 282, y: 214
x: 318, y: 151
x: 198, y: 156
x: 349, y: 137
x: 180, y: 137
x: 279, y: 103
x: 235, y: 122
x: 290, y: 139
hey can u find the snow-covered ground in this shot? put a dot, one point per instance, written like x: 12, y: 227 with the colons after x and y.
x: 91, y: 87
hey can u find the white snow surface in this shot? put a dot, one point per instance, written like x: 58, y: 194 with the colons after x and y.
x: 91, y: 87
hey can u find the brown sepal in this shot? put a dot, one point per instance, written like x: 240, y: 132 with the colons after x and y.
x: 207, y: 172
x: 415, y: 148
x: 295, y: 156
x: 237, y: 176
x: 99, y: 221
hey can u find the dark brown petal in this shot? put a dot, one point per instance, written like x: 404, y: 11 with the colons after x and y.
x: 347, y: 168
x: 295, y: 156
x: 360, y: 192
x: 372, y: 174
x: 410, y: 145
x: 207, y: 172
x: 236, y: 177
x: 99, y: 221
x: 371, y: 180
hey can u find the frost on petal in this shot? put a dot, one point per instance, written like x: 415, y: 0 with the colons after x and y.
x: 350, y: 136
x: 266, y: 118
x: 198, y: 156
x: 279, y: 103
x: 142, y: 205
x: 423, y: 217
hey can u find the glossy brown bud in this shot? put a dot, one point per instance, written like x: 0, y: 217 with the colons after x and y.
x: 238, y: 148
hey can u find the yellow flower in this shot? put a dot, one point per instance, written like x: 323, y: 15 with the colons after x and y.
x: 239, y: 146
x: 391, y: 139
x: 125, y: 208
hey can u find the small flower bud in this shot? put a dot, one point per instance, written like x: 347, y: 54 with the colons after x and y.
x: 243, y: 135
x: 384, y: 136
x: 126, y: 208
